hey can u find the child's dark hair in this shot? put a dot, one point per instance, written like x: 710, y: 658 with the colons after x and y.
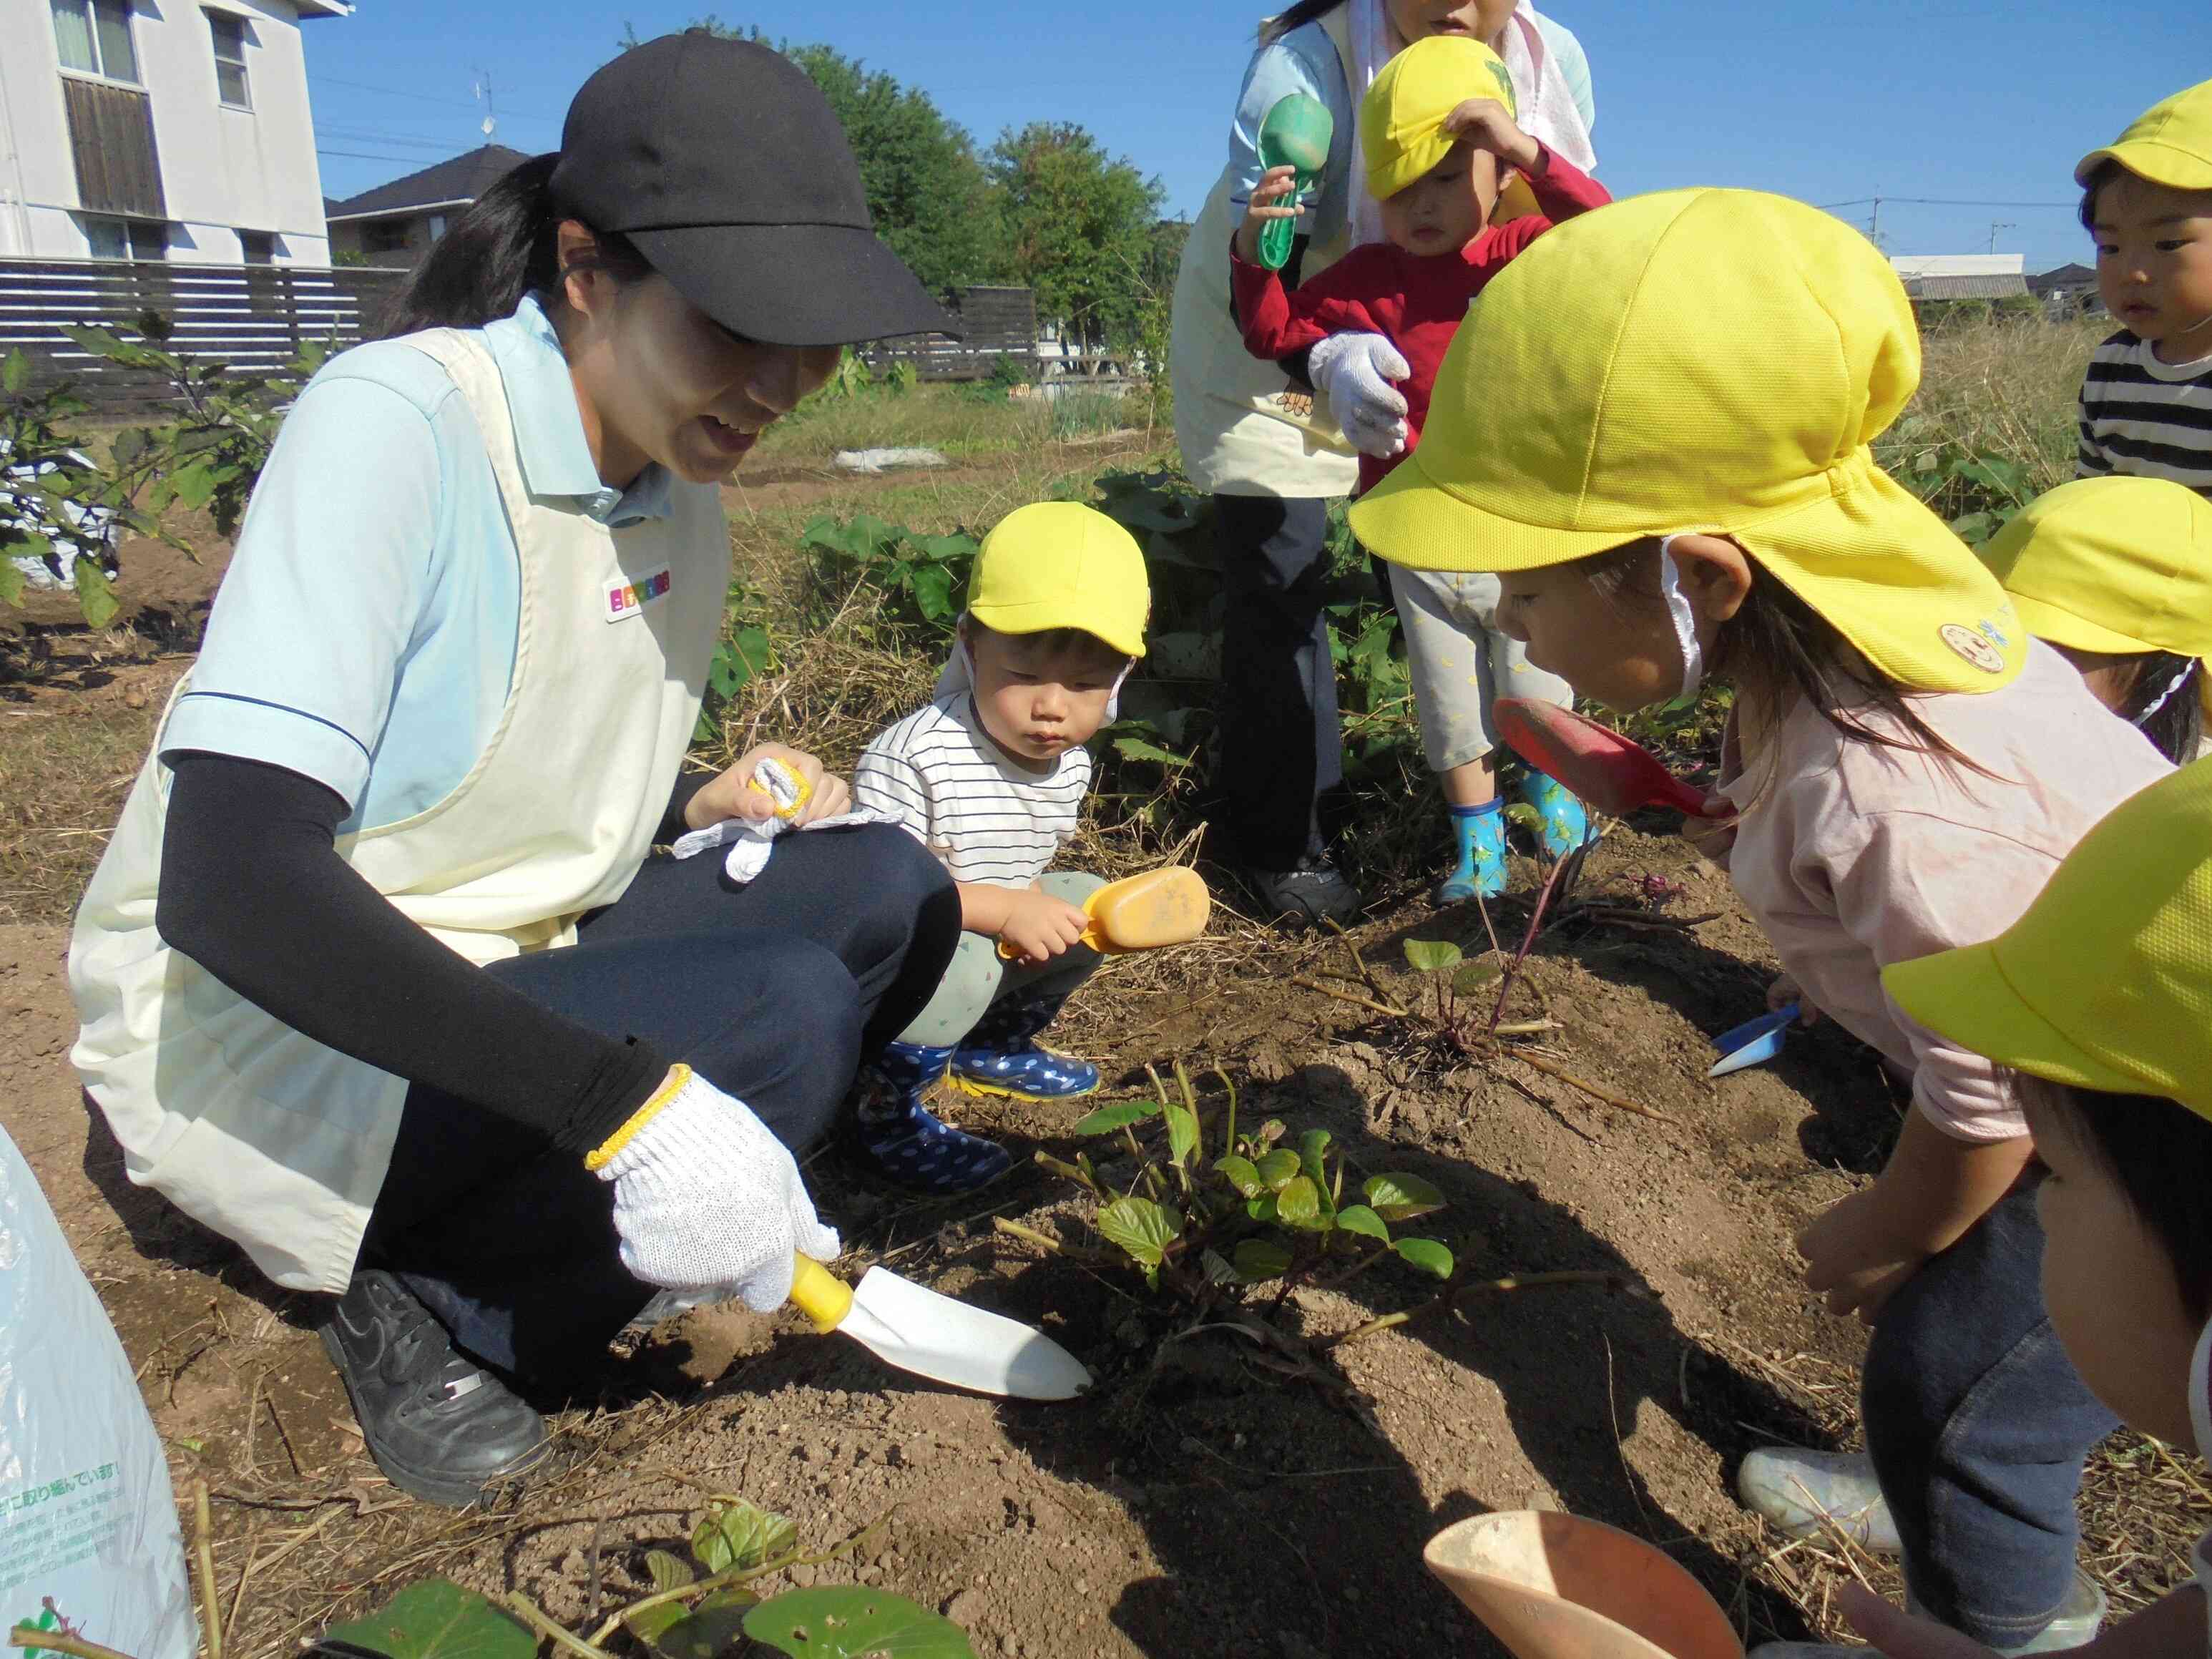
x: 1297, y: 16
x: 505, y: 246
x: 2161, y: 1153
x: 1051, y: 641
x: 2164, y: 702
x: 1778, y: 643
x: 2104, y: 172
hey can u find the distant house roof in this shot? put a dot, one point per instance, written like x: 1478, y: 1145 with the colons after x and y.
x: 1966, y: 287
x: 449, y: 184
x: 1910, y: 265
x: 2067, y: 279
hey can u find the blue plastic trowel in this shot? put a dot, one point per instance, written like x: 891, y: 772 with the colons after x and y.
x: 1754, y: 1043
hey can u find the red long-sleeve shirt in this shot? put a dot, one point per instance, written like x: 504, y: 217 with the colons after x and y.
x: 1415, y: 301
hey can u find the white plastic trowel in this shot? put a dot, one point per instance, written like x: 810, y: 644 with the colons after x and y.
x: 933, y: 1336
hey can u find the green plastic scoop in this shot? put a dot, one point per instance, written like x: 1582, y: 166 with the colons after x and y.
x: 1296, y: 134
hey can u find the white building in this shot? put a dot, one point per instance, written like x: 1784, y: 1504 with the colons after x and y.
x: 1962, y: 276
x: 159, y: 129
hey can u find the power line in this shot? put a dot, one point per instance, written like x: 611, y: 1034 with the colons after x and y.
x: 427, y: 97
x: 1941, y: 201
x: 364, y: 155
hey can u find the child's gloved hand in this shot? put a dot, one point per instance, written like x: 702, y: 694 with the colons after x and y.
x: 707, y: 1198
x: 1354, y: 372
x: 1041, y: 927
x: 1268, y: 202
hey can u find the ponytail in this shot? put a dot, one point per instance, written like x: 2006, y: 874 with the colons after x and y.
x: 505, y: 246
x: 2166, y: 704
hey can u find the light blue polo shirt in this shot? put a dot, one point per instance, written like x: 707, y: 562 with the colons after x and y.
x: 364, y: 634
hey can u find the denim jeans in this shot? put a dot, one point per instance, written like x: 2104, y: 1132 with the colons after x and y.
x: 771, y: 992
x: 1282, y: 749
x: 1979, y: 1427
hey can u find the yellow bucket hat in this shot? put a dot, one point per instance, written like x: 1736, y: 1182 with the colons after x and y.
x: 2114, y: 565
x: 2105, y: 982
x: 1061, y: 564
x: 2169, y: 143
x: 1401, y: 118
x: 1699, y: 360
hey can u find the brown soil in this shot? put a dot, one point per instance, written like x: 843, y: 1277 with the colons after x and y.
x: 1213, y: 1495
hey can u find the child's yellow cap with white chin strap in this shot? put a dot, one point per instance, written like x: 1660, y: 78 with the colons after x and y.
x: 1061, y: 564
x: 2116, y: 565
x: 1401, y: 118
x: 2105, y: 982
x: 1699, y: 360
x: 2170, y: 144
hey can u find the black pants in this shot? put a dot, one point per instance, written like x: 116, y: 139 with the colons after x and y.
x: 772, y: 992
x: 1282, y: 752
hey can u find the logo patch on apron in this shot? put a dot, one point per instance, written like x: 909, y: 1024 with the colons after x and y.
x: 628, y: 598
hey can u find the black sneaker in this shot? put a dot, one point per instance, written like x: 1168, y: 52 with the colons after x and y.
x: 1305, y: 897
x: 441, y: 1427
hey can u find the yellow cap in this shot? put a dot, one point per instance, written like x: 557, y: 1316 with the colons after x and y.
x: 2169, y: 143
x: 2114, y: 565
x: 1401, y: 118
x: 1060, y: 564
x: 2106, y: 981
x: 1699, y: 360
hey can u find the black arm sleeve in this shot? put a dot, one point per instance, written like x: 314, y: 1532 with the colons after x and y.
x: 688, y: 784
x: 253, y: 890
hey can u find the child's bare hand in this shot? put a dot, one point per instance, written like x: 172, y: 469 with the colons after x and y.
x: 1713, y: 837
x: 1786, y: 990
x: 1040, y: 926
x: 1488, y: 124
x: 1268, y: 203
x: 1852, y: 1258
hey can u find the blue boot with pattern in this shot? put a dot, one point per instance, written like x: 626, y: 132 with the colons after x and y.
x: 1480, y: 835
x: 1563, y: 826
x: 907, y: 1141
x: 1001, y: 1055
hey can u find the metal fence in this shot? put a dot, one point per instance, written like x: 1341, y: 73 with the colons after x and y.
x: 253, y: 317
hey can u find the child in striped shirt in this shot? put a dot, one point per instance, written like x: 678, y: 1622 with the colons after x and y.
x: 990, y: 776
x: 2146, y: 406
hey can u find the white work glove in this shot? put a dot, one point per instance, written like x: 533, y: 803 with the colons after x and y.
x: 707, y: 1201
x: 1354, y: 372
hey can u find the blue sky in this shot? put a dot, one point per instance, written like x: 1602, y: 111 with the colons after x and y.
x: 1986, y: 100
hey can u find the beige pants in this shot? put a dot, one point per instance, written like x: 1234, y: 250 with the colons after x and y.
x: 1461, y: 663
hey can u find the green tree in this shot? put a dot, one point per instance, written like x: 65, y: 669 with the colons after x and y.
x: 1077, y: 224
x: 927, y: 188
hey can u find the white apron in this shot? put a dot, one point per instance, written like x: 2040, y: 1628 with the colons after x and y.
x: 267, y: 1136
x: 1238, y: 435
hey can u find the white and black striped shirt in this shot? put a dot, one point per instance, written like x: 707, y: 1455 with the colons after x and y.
x: 988, y: 819
x: 2146, y: 418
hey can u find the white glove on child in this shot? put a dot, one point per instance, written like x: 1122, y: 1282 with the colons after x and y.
x: 706, y: 1199
x: 1354, y: 372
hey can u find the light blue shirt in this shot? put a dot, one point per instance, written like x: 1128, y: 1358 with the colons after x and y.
x: 364, y: 634
x: 1305, y: 60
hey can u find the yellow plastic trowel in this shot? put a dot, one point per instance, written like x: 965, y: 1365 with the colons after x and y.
x: 1553, y: 1586
x: 1168, y: 906
x: 934, y: 1336
x: 1295, y: 132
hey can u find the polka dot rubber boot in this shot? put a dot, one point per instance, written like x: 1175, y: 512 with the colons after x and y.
x: 1563, y: 826
x: 1001, y: 1056
x: 909, y: 1143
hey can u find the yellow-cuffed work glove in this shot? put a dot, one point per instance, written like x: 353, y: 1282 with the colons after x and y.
x: 707, y: 1201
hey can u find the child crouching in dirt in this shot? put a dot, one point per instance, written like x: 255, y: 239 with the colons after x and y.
x: 1654, y: 426
x: 1437, y: 132
x: 2101, y: 994
x: 990, y: 776
x: 2115, y: 574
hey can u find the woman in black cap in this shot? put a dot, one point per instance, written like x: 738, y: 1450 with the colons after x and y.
x: 376, y: 977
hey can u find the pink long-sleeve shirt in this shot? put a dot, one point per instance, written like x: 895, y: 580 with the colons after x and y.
x: 1854, y: 856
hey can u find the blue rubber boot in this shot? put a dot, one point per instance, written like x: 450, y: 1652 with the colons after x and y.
x: 1480, y: 833
x: 1000, y: 1056
x: 907, y: 1141
x: 1564, y: 827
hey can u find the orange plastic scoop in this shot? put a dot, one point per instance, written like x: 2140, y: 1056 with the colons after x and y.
x: 1166, y: 906
x: 1595, y: 762
x: 1553, y: 1586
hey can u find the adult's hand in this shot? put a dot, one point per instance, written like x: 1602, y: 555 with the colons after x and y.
x: 1354, y: 372
x: 706, y: 1199
x: 735, y: 795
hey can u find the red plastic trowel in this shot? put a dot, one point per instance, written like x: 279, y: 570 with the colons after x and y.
x: 1608, y: 770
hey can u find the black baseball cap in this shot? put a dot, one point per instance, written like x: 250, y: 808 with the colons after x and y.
x: 722, y: 161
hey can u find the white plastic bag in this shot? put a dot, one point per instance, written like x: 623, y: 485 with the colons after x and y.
x: 87, y: 1522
